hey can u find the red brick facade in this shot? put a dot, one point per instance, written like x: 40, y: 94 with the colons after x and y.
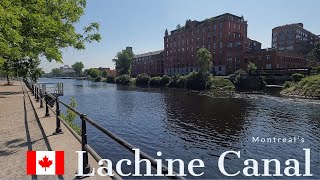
x: 150, y: 63
x: 273, y: 59
x: 225, y: 36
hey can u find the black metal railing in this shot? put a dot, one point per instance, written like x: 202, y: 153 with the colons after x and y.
x: 45, y: 97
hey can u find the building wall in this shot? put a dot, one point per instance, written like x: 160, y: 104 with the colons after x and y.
x: 225, y: 36
x: 149, y: 63
x: 273, y: 59
x: 293, y: 37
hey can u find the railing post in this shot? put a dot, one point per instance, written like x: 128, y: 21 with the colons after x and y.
x: 58, y: 128
x: 47, y: 106
x: 33, y: 89
x: 35, y: 92
x: 38, y: 91
x: 86, y: 167
x: 41, y: 98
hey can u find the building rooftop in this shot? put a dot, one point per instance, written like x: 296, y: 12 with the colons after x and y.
x: 196, y: 23
x: 148, y: 54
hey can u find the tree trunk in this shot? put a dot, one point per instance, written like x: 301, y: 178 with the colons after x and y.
x: 8, y: 81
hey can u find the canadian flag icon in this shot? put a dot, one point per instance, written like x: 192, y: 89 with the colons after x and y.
x: 45, y: 162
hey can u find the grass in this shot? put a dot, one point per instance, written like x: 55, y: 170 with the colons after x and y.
x: 308, y: 87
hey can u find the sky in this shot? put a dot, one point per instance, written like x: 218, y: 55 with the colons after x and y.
x: 141, y: 23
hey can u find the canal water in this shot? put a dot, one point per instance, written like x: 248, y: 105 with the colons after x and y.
x: 186, y: 125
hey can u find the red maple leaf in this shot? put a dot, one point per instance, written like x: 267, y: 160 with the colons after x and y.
x: 45, y: 163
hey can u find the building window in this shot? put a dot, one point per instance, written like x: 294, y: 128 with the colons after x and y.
x: 268, y: 66
x: 214, y: 45
x: 229, y: 45
x: 220, y: 44
x: 220, y: 25
x: 220, y: 35
x: 237, y: 44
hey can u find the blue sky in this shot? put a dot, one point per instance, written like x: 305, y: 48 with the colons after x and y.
x: 142, y: 23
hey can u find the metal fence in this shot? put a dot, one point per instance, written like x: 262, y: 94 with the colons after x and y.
x: 44, y: 98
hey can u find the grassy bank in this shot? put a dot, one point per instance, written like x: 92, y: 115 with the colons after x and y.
x: 307, y: 87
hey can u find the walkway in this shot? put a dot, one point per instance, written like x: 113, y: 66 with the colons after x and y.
x: 22, y: 129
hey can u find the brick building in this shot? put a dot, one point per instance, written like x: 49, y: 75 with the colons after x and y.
x: 225, y: 36
x: 274, y: 59
x: 110, y: 72
x: 294, y: 38
x: 150, y: 63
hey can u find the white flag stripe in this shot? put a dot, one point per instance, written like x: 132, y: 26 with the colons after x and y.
x: 51, y: 155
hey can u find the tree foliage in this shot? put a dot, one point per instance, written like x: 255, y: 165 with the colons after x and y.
x: 251, y: 66
x: 123, y: 62
x: 56, y: 72
x: 94, y: 73
x: 314, y: 56
x: 204, y: 61
x: 77, y: 67
x: 33, y: 28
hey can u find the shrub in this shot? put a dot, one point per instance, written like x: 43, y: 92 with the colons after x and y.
x: 196, y: 81
x: 110, y: 79
x: 123, y: 79
x: 173, y: 81
x: 182, y: 81
x: 287, y: 84
x: 155, y: 81
x: 317, y: 69
x: 165, y: 80
x: 142, y: 79
x: 70, y: 116
x: 98, y: 79
x: 297, y: 77
x: 217, y: 82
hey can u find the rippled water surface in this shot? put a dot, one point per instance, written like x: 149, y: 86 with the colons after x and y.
x: 188, y: 126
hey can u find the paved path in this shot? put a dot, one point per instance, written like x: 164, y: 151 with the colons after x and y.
x: 24, y: 128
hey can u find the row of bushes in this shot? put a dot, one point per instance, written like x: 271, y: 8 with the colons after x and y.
x: 193, y: 80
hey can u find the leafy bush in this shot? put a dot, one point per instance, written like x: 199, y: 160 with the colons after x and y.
x: 173, y: 81
x: 297, y: 77
x: 217, y: 82
x: 98, y: 79
x: 123, y: 79
x: 70, y: 116
x: 317, y: 69
x: 196, y: 81
x: 165, y: 80
x: 182, y: 81
x: 287, y: 84
x: 110, y: 79
x: 155, y: 81
x: 143, y: 79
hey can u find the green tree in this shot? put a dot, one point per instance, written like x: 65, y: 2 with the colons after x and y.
x: 77, y: 67
x: 251, y: 66
x: 123, y: 62
x: 94, y: 73
x: 30, y: 29
x: 314, y: 56
x: 56, y: 72
x: 104, y: 74
x: 204, y: 61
